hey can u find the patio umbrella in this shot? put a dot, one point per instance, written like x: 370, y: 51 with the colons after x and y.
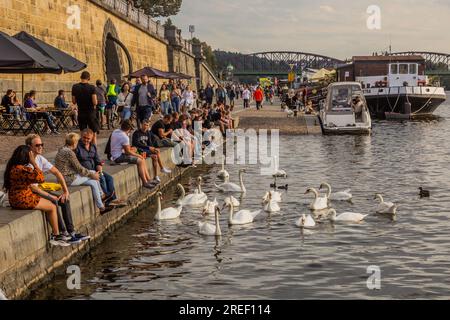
x: 65, y: 62
x: 151, y: 72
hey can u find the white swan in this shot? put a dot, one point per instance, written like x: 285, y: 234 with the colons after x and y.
x: 276, y: 196
x: 385, y: 207
x: 347, y: 216
x: 232, y: 187
x: 208, y: 229
x: 277, y: 171
x: 271, y: 205
x: 196, y: 199
x: 168, y: 213
x: 2, y: 295
x: 337, y: 196
x: 234, y: 201
x: 305, y: 222
x: 241, y: 217
x: 223, y: 174
x: 319, y: 203
x: 210, y: 207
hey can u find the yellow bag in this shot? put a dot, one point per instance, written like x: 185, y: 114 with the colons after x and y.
x: 50, y: 186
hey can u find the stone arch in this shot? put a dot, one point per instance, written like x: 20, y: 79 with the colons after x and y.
x: 113, y: 65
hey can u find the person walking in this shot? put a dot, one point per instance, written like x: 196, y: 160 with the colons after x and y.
x: 246, y: 96
x: 84, y: 95
x: 143, y: 98
x: 259, y: 97
x: 111, y: 106
x: 209, y: 94
x: 164, y: 98
x: 124, y: 101
x: 176, y: 98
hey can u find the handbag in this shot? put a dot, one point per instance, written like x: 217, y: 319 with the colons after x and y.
x: 50, y: 186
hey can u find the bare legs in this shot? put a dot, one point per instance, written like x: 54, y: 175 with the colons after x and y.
x: 50, y: 210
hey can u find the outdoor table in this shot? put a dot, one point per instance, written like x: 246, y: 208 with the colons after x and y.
x: 63, y: 118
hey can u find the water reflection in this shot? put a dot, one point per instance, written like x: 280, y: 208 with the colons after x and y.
x: 272, y: 258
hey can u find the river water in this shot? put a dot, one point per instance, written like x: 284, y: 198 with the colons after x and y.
x: 273, y: 259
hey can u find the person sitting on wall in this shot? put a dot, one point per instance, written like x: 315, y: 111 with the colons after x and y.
x: 145, y: 142
x: 89, y: 158
x: 120, y: 151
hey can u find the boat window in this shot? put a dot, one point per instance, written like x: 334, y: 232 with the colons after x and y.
x: 403, y: 69
x: 341, y: 97
x: 394, y: 68
x: 412, y: 69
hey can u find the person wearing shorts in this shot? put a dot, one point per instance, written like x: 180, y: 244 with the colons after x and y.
x: 85, y: 97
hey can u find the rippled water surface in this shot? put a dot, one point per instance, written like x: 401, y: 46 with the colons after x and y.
x: 271, y: 258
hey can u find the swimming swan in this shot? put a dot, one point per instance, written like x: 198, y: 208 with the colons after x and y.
x: 168, y: 213
x: 385, y: 207
x: 210, y: 207
x: 234, y: 201
x: 208, y: 229
x: 319, y: 203
x: 271, y: 205
x: 276, y: 196
x: 223, y: 174
x: 196, y: 199
x: 277, y: 171
x: 241, y: 217
x: 347, y: 216
x: 232, y: 187
x: 337, y: 196
x: 305, y: 222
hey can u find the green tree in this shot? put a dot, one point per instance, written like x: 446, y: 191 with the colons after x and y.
x: 168, y: 23
x: 208, y: 52
x: 159, y: 8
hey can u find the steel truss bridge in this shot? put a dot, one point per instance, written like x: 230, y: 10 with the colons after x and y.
x: 279, y: 63
x: 436, y: 63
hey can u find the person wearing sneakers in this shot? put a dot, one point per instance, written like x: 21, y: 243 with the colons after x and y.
x: 65, y: 222
x: 122, y: 152
x: 145, y: 142
x: 20, y: 173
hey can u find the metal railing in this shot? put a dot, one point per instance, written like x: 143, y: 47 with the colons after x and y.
x: 135, y: 15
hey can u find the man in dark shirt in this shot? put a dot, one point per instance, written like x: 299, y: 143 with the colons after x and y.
x: 144, y: 140
x: 61, y: 104
x: 89, y: 158
x: 161, y: 129
x: 7, y: 102
x: 209, y: 94
x: 84, y: 95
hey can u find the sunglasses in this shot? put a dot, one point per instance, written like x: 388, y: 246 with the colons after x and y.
x: 39, y: 145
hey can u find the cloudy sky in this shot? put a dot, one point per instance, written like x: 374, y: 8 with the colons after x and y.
x: 336, y: 28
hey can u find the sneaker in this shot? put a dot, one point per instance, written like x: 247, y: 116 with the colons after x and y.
x: 166, y: 171
x: 80, y: 236
x: 66, y: 236
x: 58, y: 241
x: 151, y: 185
x: 158, y: 179
x: 106, y: 210
x: 74, y: 241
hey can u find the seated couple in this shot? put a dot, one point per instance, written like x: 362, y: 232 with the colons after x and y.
x: 122, y: 151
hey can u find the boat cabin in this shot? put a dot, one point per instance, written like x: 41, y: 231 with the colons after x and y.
x: 385, y: 71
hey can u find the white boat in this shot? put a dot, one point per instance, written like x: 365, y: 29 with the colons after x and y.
x: 345, y: 110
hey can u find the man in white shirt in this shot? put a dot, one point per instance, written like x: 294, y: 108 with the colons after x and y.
x: 122, y: 152
x: 66, y: 224
x: 246, y: 95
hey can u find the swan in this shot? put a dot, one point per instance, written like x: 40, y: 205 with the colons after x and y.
x: 318, y: 203
x: 277, y: 171
x: 241, y: 217
x: 385, y: 207
x: 271, y: 205
x: 168, y: 213
x: 275, y: 195
x: 2, y: 295
x: 210, y: 207
x: 234, y: 201
x: 232, y: 187
x: 223, y: 174
x: 196, y: 199
x: 305, y: 222
x: 208, y: 229
x: 347, y: 216
x: 337, y: 196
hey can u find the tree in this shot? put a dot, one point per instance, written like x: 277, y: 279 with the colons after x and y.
x: 168, y: 23
x: 159, y: 8
x: 208, y: 52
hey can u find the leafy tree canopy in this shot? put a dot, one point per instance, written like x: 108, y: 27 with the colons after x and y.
x: 159, y: 8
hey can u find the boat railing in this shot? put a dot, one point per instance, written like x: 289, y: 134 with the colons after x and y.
x: 419, y: 90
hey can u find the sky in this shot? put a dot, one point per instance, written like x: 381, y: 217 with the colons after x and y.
x: 335, y: 28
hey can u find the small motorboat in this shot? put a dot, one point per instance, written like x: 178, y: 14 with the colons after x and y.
x: 345, y: 110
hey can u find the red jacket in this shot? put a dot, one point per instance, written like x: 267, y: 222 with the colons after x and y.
x: 258, y: 95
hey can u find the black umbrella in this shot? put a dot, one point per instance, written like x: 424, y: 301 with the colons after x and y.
x: 66, y: 62
x: 18, y: 57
